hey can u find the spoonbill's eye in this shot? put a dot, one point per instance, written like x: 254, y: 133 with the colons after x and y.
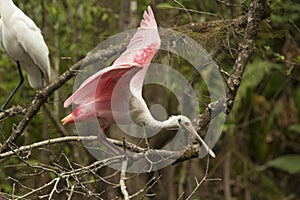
x: 186, y: 123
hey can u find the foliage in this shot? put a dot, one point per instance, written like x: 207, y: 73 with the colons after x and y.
x: 262, y: 130
x: 253, y: 76
x: 288, y: 163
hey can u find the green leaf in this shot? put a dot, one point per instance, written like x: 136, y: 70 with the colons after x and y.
x: 288, y: 163
x: 253, y: 75
x: 164, y: 5
x: 279, y: 56
x: 295, y: 128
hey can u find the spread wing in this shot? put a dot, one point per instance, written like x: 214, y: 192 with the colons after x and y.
x: 99, y: 85
x: 144, y: 44
x: 142, y: 48
x: 138, y: 55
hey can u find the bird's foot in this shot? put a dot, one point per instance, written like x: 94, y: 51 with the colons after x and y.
x: 38, y: 95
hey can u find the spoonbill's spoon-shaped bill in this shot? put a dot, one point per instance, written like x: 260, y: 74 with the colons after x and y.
x: 22, y: 40
x: 94, y: 96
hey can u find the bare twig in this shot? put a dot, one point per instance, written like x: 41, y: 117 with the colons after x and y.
x: 184, y: 8
x: 71, y: 192
x: 258, y: 10
x: 54, y: 189
x: 60, y: 128
x: 194, y: 11
x: 43, y: 95
x: 230, y: 4
x: 36, y: 190
x: 13, y: 111
x: 198, y: 184
x: 147, y: 187
x: 129, y: 146
x: 123, y: 178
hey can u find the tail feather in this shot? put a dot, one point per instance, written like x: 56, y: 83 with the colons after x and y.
x: 68, y: 119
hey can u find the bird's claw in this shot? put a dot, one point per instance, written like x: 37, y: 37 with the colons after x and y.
x: 38, y: 94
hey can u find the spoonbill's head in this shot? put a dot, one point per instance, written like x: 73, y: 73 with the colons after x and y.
x: 181, y: 121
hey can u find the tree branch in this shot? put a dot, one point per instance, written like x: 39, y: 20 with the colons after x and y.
x: 129, y: 146
x: 123, y: 178
x: 13, y: 111
x: 258, y: 10
x: 43, y: 95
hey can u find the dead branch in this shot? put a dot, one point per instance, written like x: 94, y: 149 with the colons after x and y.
x: 123, y: 178
x: 258, y: 10
x: 129, y: 146
x: 43, y: 95
x: 13, y: 111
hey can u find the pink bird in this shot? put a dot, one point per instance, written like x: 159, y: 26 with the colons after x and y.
x: 121, y: 85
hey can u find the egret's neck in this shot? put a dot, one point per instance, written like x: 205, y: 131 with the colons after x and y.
x: 7, y: 7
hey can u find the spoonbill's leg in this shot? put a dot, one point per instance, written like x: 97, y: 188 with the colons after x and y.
x: 146, y: 140
x: 103, y: 140
x: 16, y: 88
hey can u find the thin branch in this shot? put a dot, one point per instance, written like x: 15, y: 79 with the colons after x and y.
x: 149, y: 185
x: 198, y: 184
x: 43, y: 95
x: 215, y: 26
x: 36, y: 190
x: 184, y: 8
x: 194, y: 11
x: 123, y: 178
x: 258, y: 10
x: 54, y: 189
x: 230, y: 4
x: 13, y: 111
x: 71, y: 192
x: 129, y: 146
x: 60, y: 128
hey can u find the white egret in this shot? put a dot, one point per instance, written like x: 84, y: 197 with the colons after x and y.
x: 22, y: 40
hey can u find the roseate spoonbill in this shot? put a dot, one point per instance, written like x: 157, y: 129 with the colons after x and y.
x: 94, y: 96
x: 22, y: 40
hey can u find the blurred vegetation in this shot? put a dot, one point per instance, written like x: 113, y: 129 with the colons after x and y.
x: 260, y: 146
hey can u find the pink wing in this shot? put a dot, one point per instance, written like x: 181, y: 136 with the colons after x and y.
x: 139, y: 53
x: 102, y: 82
x: 144, y: 44
x: 141, y: 49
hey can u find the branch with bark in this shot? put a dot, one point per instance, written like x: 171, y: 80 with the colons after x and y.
x: 42, y: 96
x: 258, y: 11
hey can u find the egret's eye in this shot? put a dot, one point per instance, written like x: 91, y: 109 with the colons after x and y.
x: 179, y: 120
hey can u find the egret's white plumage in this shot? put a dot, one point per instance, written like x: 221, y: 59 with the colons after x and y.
x: 22, y: 40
